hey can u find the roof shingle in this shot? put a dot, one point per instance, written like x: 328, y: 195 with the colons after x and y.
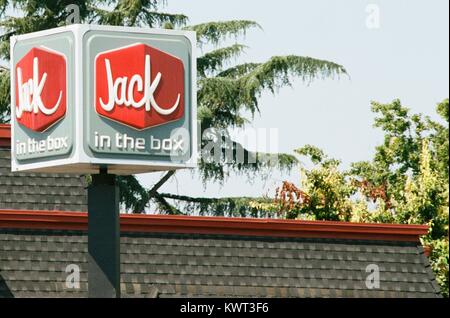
x: 33, y: 262
x: 33, y: 191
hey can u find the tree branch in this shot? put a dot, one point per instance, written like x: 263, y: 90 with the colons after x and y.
x: 160, y: 183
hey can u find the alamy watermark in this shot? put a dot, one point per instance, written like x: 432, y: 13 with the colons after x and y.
x: 73, y: 277
x: 249, y: 146
x: 373, y: 21
x: 73, y: 14
x: 373, y: 279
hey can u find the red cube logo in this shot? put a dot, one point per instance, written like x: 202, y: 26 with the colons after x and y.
x: 139, y: 86
x: 41, y: 89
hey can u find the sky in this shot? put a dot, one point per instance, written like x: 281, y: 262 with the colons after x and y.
x: 404, y: 54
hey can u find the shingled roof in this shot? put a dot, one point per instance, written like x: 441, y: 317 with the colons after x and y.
x: 169, y: 256
x: 34, y: 191
x: 177, y: 256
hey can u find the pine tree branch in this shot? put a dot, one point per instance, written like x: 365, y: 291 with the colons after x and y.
x: 215, y: 32
x: 215, y: 60
x: 160, y: 183
x: 136, y: 13
x: 219, y: 103
x: 135, y: 197
x: 279, y: 71
x: 153, y: 18
x: 230, y: 207
x: 221, y: 155
x: 165, y: 207
x: 238, y: 70
x: 225, y: 97
x: 132, y: 194
x: 210, y: 200
x: 3, y: 6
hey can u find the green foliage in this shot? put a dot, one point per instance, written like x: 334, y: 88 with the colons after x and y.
x: 315, y: 154
x: 36, y: 15
x: 439, y: 262
x: 3, y: 6
x: 215, y: 32
x: 443, y: 110
x: 136, y: 13
x: 40, y: 15
x: 133, y: 196
x: 439, y: 135
x: 238, y: 71
x: 216, y: 59
x: 228, y: 207
x: 5, y: 95
x: 403, y: 135
x: 328, y: 192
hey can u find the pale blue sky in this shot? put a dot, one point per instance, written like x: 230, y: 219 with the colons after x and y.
x: 406, y: 58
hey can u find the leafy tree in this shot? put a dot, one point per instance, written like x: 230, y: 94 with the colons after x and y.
x: 324, y: 192
x: 225, y: 90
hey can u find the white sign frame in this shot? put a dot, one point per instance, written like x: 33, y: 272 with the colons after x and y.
x: 80, y: 162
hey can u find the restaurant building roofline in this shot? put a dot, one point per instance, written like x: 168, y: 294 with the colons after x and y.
x: 54, y: 220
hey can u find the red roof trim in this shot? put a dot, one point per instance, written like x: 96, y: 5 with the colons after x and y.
x: 217, y: 225
x: 5, y: 135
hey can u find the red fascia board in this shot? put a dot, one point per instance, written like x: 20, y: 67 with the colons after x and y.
x: 5, y: 131
x: 5, y: 135
x: 53, y: 220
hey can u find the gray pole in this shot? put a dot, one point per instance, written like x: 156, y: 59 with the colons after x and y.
x: 103, y: 236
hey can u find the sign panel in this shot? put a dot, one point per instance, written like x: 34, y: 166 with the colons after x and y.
x: 41, y: 88
x: 86, y: 97
x: 139, y: 86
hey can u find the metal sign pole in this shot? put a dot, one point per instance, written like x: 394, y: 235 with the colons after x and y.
x: 103, y: 236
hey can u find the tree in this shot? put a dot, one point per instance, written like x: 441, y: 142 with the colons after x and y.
x: 324, y: 192
x: 225, y: 90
